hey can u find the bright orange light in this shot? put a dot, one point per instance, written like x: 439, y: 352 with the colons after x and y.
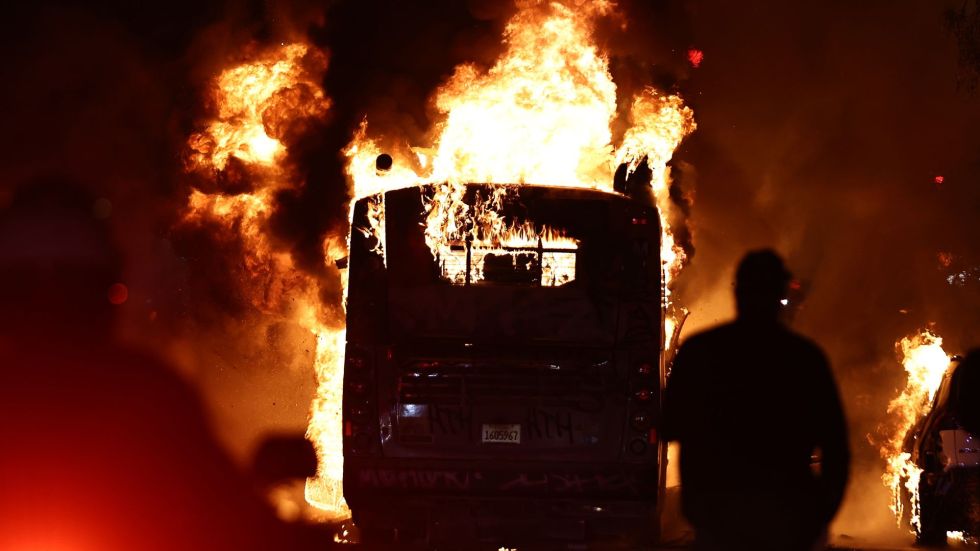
x: 258, y: 103
x: 925, y: 364
x: 541, y: 115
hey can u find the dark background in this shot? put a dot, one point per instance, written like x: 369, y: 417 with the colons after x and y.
x: 821, y: 129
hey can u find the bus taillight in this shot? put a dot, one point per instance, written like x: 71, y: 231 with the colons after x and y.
x: 642, y: 404
x: 360, y: 411
x: 641, y: 421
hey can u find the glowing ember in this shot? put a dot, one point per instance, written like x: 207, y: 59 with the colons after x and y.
x: 695, y: 57
x: 945, y: 259
x: 342, y: 535
x: 259, y: 105
x: 926, y: 363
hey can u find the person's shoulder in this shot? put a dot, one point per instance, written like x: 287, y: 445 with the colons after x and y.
x: 805, y: 347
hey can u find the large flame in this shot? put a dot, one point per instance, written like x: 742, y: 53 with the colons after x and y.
x: 542, y: 114
x: 259, y: 106
x: 925, y: 364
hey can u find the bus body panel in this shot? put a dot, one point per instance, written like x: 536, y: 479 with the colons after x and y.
x: 469, y: 401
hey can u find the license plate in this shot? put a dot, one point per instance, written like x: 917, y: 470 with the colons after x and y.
x: 503, y: 434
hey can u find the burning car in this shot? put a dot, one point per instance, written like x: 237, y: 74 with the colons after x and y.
x: 947, y: 457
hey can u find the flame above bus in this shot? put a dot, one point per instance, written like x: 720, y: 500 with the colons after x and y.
x: 541, y: 115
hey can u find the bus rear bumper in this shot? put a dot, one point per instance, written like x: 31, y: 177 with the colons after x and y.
x: 503, y: 504
x: 509, y: 522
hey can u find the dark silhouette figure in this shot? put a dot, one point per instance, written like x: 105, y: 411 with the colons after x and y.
x: 751, y: 404
x: 103, y: 447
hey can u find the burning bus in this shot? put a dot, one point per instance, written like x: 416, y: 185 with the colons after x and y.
x: 503, y: 384
x: 506, y: 294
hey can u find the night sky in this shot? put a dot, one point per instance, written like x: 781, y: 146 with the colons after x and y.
x: 822, y: 128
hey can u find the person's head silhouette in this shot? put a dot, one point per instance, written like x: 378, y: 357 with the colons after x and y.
x: 761, y: 282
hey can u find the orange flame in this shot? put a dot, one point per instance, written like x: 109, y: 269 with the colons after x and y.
x: 260, y: 105
x: 925, y: 363
x: 541, y: 115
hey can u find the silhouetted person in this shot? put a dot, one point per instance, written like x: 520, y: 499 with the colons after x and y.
x: 750, y: 402
x: 101, y: 447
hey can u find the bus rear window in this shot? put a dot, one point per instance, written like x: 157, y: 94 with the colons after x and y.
x: 544, y: 264
x: 559, y: 238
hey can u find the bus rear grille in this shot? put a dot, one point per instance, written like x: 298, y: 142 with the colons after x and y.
x: 466, y: 383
